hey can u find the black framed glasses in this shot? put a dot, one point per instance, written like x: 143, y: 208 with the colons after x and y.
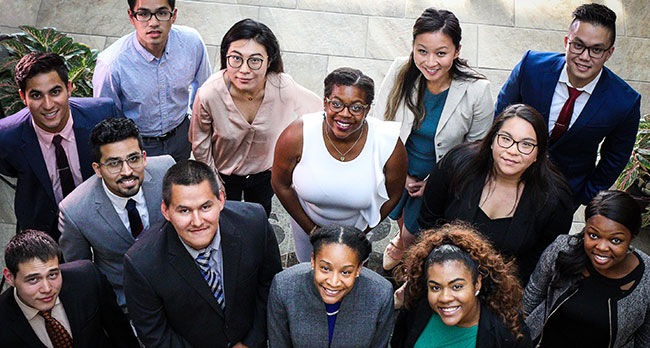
x: 145, y: 16
x: 255, y: 63
x: 115, y: 166
x: 594, y: 51
x: 524, y: 146
x: 355, y: 109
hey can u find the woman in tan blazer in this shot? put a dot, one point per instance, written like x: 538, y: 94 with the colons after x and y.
x: 441, y: 103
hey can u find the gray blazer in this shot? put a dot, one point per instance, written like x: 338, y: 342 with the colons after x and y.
x: 91, y: 229
x: 297, y: 316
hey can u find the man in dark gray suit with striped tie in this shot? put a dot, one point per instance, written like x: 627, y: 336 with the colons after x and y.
x: 202, y: 280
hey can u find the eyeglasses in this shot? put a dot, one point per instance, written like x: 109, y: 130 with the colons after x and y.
x: 524, y: 146
x: 355, y: 109
x: 594, y: 52
x: 255, y: 63
x: 145, y: 16
x: 115, y: 166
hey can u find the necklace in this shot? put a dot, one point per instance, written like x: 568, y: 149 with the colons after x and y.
x: 333, y: 313
x: 342, y: 158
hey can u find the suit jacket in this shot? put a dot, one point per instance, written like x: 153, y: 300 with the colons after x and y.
x: 95, y: 319
x: 466, y: 116
x: 88, y: 220
x: 491, y: 331
x: 170, y: 302
x: 612, y: 113
x: 21, y: 157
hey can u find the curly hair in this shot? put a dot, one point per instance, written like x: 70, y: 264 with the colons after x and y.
x: 500, y: 289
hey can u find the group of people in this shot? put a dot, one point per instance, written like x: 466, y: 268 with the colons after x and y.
x: 484, y: 197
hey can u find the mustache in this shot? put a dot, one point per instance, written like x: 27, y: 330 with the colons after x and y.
x: 126, y: 178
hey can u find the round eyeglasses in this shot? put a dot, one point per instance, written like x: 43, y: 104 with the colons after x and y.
x: 524, y: 146
x: 355, y: 109
x: 115, y: 166
x: 255, y: 63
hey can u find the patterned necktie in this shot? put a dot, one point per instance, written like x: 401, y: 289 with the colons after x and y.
x: 58, y: 334
x: 211, y: 276
x: 134, y: 218
x: 564, y: 119
x: 62, y: 166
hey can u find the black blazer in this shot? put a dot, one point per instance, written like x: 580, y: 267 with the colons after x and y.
x: 491, y: 331
x: 534, y: 226
x: 171, y: 304
x: 89, y: 302
x: 21, y: 158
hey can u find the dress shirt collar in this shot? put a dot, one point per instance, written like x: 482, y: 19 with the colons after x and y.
x: 216, y: 242
x: 146, y: 54
x: 46, y: 137
x: 588, y: 88
x: 28, y: 311
x: 120, y: 202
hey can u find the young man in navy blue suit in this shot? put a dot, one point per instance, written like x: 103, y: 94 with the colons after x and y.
x: 46, y: 145
x: 584, y: 103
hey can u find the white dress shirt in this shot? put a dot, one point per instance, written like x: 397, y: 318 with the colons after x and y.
x: 119, y: 203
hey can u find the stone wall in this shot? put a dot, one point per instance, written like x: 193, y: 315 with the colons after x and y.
x: 317, y: 36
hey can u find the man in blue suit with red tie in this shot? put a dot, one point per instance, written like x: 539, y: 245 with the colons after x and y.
x: 583, y: 102
x: 46, y: 145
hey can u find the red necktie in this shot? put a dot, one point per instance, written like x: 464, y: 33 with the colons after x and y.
x: 564, y: 119
x: 58, y: 334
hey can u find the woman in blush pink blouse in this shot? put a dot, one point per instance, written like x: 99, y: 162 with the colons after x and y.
x: 240, y: 111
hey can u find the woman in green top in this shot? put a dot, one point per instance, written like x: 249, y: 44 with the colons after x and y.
x: 459, y: 293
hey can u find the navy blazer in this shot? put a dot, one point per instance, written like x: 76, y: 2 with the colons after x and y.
x: 21, y: 158
x: 95, y: 319
x: 612, y: 113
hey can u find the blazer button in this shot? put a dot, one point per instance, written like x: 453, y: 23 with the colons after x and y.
x: 439, y: 144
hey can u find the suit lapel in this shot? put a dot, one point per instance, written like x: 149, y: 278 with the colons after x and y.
x: 32, y: 152
x: 457, y: 90
x: 153, y: 207
x: 73, y: 309
x: 18, y: 323
x: 82, y: 139
x: 182, y: 262
x: 231, y: 251
x: 549, y: 81
x: 105, y: 209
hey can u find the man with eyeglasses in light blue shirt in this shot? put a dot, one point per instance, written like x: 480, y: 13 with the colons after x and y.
x: 148, y: 74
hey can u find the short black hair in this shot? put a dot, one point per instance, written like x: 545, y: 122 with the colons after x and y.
x: 112, y: 130
x: 596, y: 14
x: 186, y: 173
x: 349, y: 236
x: 262, y: 34
x: 172, y: 3
x: 35, y: 63
x: 350, y: 77
x: 28, y: 245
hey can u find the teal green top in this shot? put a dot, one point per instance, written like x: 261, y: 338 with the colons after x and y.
x: 439, y: 335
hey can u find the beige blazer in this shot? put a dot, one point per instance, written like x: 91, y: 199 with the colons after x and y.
x: 467, y: 115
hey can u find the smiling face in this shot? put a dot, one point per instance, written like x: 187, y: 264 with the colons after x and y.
x: 511, y: 162
x: 451, y: 293
x: 127, y: 181
x: 336, y: 268
x: 37, y: 283
x: 194, y: 212
x: 46, y: 97
x: 343, y: 124
x: 434, y: 55
x: 244, y: 78
x: 153, y: 33
x: 607, y: 243
x: 582, y: 68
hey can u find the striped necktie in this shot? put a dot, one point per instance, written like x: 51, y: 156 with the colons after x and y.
x: 211, y: 275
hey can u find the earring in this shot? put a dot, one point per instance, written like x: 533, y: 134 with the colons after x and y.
x: 630, y: 249
x: 477, y: 292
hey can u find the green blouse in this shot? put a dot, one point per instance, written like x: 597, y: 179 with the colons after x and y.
x: 438, y: 335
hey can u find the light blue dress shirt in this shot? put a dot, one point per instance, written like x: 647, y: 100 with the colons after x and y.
x: 153, y: 92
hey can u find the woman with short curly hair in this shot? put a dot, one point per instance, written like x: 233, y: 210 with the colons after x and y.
x: 459, y: 293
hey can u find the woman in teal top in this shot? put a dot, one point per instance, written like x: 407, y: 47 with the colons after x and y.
x: 459, y: 293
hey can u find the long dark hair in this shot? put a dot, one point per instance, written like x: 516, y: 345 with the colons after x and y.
x: 614, y: 205
x: 471, y: 161
x: 250, y: 29
x: 430, y: 21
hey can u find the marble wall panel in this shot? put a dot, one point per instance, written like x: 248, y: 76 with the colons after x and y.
x: 212, y: 20
x: 469, y: 43
x: 630, y: 59
x: 7, y: 194
x: 644, y: 89
x: 94, y: 41
x: 390, y: 8
x: 110, y: 40
x: 317, y: 32
x: 499, y: 12
x: 309, y: 70
x: 374, y: 68
x: 557, y: 14
x: 93, y: 17
x: 497, y: 78
x: 502, y: 48
x: 269, y: 3
x: 637, y: 17
x: 213, y: 54
x: 389, y: 37
x: 9, y: 30
x: 19, y: 12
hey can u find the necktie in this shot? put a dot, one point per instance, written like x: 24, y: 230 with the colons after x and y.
x: 211, y: 276
x: 62, y: 166
x: 58, y: 334
x: 134, y: 218
x: 564, y: 119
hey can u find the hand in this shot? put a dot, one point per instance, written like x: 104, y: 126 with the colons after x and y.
x: 414, y: 186
x: 398, y: 296
x: 239, y: 345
